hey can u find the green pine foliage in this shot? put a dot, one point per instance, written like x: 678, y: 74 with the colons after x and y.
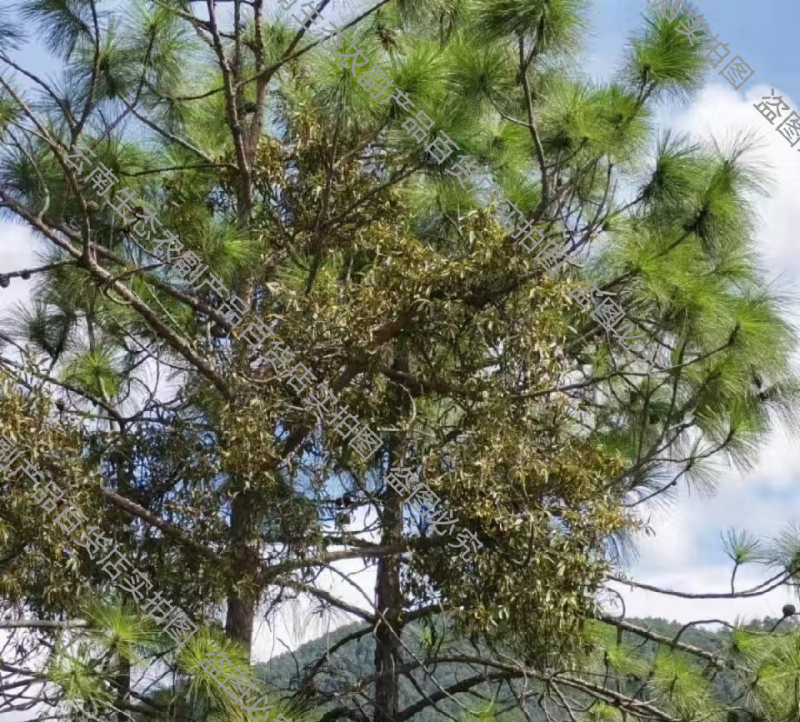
x: 381, y: 272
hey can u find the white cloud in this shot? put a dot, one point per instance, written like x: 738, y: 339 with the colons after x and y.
x: 682, y: 554
x: 17, y: 251
x: 720, y: 112
x: 352, y: 582
x: 675, y: 523
x: 302, y: 620
x: 703, y: 580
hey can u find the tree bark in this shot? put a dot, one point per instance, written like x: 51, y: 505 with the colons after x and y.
x: 387, y: 633
x: 388, y: 595
x: 123, y: 684
x: 242, y: 603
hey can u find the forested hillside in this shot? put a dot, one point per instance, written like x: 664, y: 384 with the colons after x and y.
x: 347, y: 665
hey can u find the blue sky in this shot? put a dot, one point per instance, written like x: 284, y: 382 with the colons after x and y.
x: 686, y: 552
x: 763, y: 36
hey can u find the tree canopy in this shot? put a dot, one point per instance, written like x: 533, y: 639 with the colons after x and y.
x: 478, y: 371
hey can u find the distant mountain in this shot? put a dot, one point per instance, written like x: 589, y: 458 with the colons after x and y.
x: 355, y: 660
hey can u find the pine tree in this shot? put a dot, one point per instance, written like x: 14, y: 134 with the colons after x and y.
x: 483, y: 378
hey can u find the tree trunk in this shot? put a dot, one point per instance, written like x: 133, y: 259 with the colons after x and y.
x: 122, y: 683
x: 242, y: 604
x: 387, y: 633
x: 388, y: 595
